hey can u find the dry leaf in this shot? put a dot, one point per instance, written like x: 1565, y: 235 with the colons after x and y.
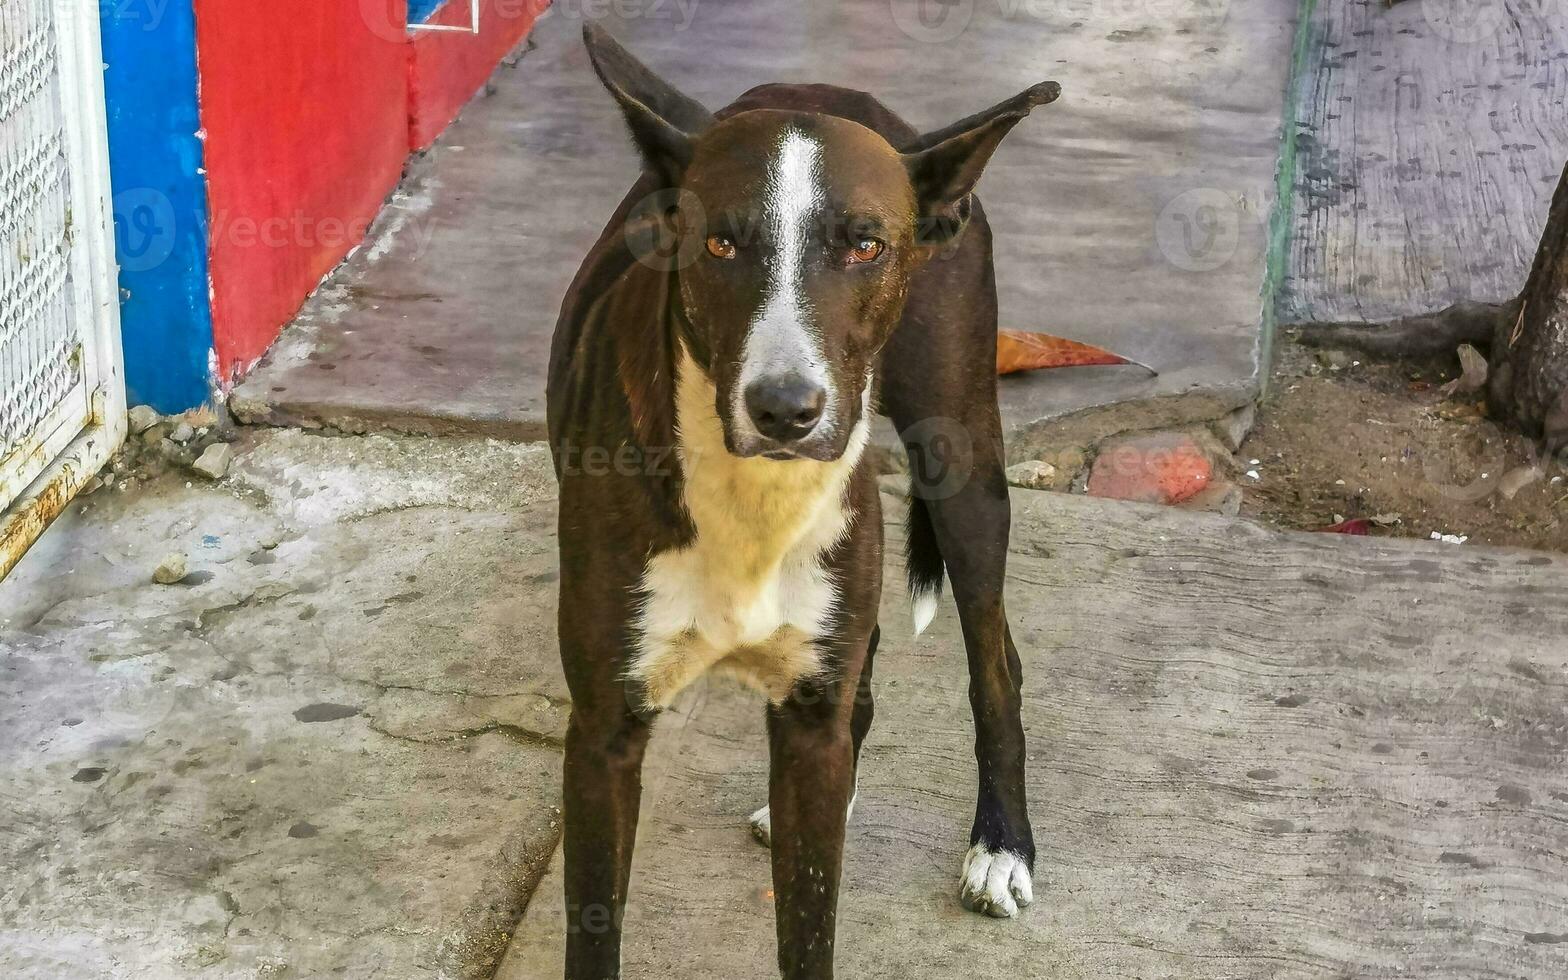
x: 1017, y: 350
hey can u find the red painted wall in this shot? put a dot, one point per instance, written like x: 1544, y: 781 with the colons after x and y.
x: 305, y: 110
x: 446, y: 69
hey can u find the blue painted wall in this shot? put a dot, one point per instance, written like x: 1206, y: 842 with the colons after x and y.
x: 160, y: 201
x: 419, y: 11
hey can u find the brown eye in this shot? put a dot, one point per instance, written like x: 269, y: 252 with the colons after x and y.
x: 720, y: 247
x: 865, y: 250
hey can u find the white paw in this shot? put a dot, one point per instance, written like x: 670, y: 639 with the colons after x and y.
x: 762, y: 826
x: 762, y: 822
x: 996, y: 883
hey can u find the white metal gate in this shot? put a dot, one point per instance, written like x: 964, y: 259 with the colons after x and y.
x: 62, y: 395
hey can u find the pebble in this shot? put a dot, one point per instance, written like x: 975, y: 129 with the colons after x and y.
x: 142, y: 418
x: 1032, y: 474
x: 171, y: 569
x: 182, y: 433
x: 214, y: 460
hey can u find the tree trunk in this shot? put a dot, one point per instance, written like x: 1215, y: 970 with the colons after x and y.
x: 1526, y: 337
x: 1529, y: 357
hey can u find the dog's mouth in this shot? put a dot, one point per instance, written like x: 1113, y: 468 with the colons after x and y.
x: 817, y: 450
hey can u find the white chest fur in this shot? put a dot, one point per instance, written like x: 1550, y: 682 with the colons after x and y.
x: 749, y: 596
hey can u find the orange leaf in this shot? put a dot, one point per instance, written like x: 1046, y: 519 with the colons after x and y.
x: 1017, y: 350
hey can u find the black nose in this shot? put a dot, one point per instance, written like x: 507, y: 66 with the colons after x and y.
x: 786, y: 408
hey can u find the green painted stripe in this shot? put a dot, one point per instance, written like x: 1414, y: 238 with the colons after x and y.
x: 1277, y: 266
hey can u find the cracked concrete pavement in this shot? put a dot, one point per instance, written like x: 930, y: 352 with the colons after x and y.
x: 332, y: 750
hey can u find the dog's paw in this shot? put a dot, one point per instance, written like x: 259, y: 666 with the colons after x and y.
x: 995, y: 883
x: 762, y: 826
x: 762, y: 822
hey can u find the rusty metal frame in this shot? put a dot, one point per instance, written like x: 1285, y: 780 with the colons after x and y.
x: 74, y: 464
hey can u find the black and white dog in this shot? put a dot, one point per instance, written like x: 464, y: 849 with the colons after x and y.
x: 784, y: 269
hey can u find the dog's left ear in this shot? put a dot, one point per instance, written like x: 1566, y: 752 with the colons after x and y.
x: 662, y: 120
x: 944, y: 165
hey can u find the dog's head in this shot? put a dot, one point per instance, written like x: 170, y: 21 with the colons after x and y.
x: 799, y: 234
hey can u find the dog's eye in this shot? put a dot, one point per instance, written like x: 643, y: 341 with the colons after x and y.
x: 720, y: 247
x: 865, y: 250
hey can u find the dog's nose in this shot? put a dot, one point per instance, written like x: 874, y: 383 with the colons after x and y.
x: 785, y: 409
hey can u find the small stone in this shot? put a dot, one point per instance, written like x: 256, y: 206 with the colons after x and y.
x: 1233, y: 429
x: 171, y: 569
x: 182, y: 433
x: 93, y: 485
x: 154, y: 434
x: 214, y: 460
x: 1032, y: 474
x: 268, y: 543
x: 142, y: 418
x: 1163, y: 468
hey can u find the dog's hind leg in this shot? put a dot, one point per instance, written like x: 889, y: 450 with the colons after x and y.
x: 939, y: 388
x: 971, y: 529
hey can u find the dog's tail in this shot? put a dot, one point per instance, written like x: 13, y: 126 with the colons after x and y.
x: 924, y: 561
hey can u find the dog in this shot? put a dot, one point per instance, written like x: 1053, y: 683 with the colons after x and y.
x: 783, y: 270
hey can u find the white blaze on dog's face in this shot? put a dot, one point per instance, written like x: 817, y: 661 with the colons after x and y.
x: 783, y: 350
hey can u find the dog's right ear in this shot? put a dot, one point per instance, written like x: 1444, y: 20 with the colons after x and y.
x: 662, y: 120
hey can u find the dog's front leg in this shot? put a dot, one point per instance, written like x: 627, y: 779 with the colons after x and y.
x: 602, y: 781
x: 602, y: 793
x: 603, y: 790
x: 813, y: 772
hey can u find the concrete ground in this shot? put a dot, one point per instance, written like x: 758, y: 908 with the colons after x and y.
x: 333, y: 749
x: 1253, y: 755
x: 1133, y: 213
